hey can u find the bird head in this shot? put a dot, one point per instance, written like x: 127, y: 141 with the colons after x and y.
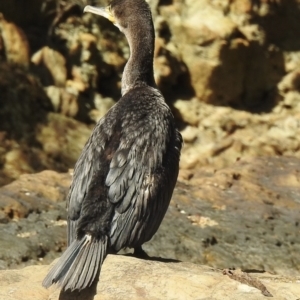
x: 122, y: 13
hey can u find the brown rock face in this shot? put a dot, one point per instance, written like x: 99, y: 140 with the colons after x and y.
x: 226, y: 57
x: 233, y: 52
x: 32, y: 138
x: 14, y: 40
x: 125, y: 277
x: 234, y: 215
x: 33, y: 193
x: 23, y: 102
x: 51, y: 65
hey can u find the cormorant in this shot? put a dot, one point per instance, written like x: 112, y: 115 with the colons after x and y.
x: 124, y: 178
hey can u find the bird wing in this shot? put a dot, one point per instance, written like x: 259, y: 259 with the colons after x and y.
x: 81, y: 181
x: 124, y: 167
x: 89, y: 171
x: 138, y: 184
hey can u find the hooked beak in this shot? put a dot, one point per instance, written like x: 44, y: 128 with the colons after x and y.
x: 101, y: 11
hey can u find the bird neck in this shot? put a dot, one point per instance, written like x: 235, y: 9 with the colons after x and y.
x: 139, y: 68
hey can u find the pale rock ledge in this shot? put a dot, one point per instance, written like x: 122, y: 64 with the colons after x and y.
x: 125, y: 277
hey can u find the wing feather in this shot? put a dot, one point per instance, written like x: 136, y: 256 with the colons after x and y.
x: 87, y: 168
x: 141, y: 192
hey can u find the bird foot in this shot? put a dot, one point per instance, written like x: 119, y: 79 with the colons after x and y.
x: 140, y: 253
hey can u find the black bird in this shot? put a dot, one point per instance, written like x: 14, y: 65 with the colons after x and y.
x: 124, y: 178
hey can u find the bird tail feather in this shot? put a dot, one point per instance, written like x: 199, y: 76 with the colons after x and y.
x: 79, y: 264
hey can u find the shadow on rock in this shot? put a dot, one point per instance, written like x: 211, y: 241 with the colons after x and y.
x: 248, y: 76
x: 23, y: 102
x: 155, y: 258
x: 86, y: 294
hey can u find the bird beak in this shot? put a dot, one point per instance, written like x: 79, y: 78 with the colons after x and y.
x: 102, y: 11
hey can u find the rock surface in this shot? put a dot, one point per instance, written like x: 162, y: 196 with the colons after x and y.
x: 130, y: 278
x: 218, y: 136
x: 245, y: 216
x: 33, y: 218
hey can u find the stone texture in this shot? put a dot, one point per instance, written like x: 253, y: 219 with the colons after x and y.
x: 33, y: 193
x: 227, y: 64
x: 51, y: 65
x: 13, y: 39
x: 33, y: 218
x: 62, y: 138
x: 126, y: 277
x: 47, y: 141
x: 222, y: 135
x: 23, y: 102
x: 245, y: 216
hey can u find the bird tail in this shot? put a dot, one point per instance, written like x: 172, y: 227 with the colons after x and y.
x: 79, y: 264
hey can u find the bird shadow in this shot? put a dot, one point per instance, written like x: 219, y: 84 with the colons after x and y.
x: 153, y: 258
x: 86, y: 294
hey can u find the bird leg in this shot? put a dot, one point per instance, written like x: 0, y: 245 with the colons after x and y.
x: 140, y: 253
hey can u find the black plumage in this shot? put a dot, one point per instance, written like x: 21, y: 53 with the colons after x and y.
x: 124, y: 178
